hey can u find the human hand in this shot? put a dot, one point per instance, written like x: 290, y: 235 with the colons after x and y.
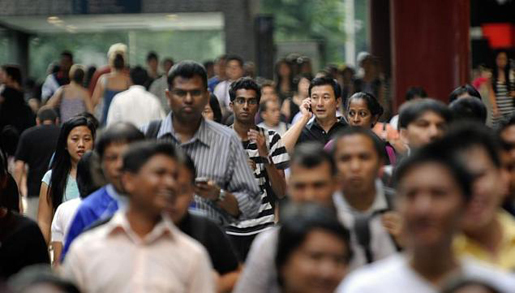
x: 392, y: 222
x: 252, y: 164
x: 208, y: 190
x: 305, y: 108
x: 259, y: 139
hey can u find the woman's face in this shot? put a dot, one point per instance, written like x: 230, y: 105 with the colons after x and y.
x: 318, y: 265
x: 80, y: 140
x: 303, y: 87
x: 358, y: 114
x: 501, y: 60
x: 208, y: 113
x: 284, y: 70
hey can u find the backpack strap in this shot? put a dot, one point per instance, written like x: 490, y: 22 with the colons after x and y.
x: 362, y: 230
x: 153, y: 129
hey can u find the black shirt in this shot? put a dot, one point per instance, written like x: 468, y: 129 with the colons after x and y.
x: 314, y: 132
x: 21, y: 244
x: 35, y: 148
x: 214, y: 240
x: 14, y: 111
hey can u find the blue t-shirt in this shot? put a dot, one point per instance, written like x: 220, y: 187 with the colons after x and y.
x: 71, y: 191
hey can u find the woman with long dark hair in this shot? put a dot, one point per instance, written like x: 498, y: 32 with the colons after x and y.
x: 59, y: 184
x: 503, y: 89
x: 284, y: 79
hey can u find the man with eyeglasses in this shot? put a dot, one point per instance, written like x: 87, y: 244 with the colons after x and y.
x: 267, y: 156
x: 324, y: 98
x: 225, y: 189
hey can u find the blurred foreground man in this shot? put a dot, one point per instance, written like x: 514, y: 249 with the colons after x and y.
x: 433, y: 194
x: 140, y: 249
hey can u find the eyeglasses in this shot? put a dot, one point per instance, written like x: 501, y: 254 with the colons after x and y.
x: 242, y: 101
x: 183, y: 93
x: 362, y: 114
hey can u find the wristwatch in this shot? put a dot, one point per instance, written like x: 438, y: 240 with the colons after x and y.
x: 221, y: 196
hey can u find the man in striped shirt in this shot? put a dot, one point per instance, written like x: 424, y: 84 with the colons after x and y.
x: 226, y: 190
x: 267, y: 156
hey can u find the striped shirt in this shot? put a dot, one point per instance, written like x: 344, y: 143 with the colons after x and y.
x: 279, y: 156
x: 504, y: 102
x: 219, y: 156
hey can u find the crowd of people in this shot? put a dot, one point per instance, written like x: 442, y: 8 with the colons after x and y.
x: 206, y: 178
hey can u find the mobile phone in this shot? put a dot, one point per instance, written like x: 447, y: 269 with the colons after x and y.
x: 201, y: 180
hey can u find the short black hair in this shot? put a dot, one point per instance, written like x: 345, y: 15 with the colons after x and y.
x: 379, y: 145
x: 67, y: 54
x: 325, y: 80
x: 297, y: 222
x: 373, y: 104
x: 215, y: 107
x: 468, y: 108
x: 152, y: 56
x: 187, y: 69
x: 311, y: 155
x: 14, y: 72
x: 139, y: 76
x: 121, y: 132
x: 139, y: 153
x: 234, y: 58
x: 208, y: 63
x: 85, y: 182
x: 244, y: 83
x: 415, y: 91
x: 412, y: 110
x: 436, y: 152
x: 463, y: 136
x: 464, y: 89
x: 46, y: 113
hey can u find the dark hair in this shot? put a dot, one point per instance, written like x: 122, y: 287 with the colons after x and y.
x: 495, y: 73
x: 234, y: 58
x: 78, y: 75
x: 414, y: 92
x: 436, y: 152
x: 466, y: 135
x: 121, y: 132
x: 40, y: 274
x: 91, y: 118
x: 190, y: 165
x: 280, y: 78
x: 14, y: 72
x: 139, y: 76
x: 378, y: 144
x: 85, y: 181
x: 152, y: 56
x: 139, y: 153
x: 215, y: 107
x: 61, y: 165
x: 468, y: 108
x: 267, y: 83
x: 9, y: 194
x: 298, y: 78
x: 464, y: 89
x: 298, y: 221
x: 187, y: 70
x: 67, y: 54
x: 118, y: 62
x: 208, y: 64
x: 411, y: 111
x: 244, y: 83
x: 319, y: 81
x: 311, y: 155
x: 373, y: 104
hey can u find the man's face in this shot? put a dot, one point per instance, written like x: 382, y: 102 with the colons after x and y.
x: 187, y: 98
x: 154, y: 186
x: 272, y: 115
x: 233, y: 70
x: 185, y: 190
x: 268, y: 94
x: 245, y: 106
x: 488, y: 190
x: 426, y: 128
x: 166, y: 66
x: 312, y: 184
x: 431, y: 205
x: 153, y: 64
x: 112, y: 163
x: 65, y: 63
x: 358, y: 163
x: 323, y: 102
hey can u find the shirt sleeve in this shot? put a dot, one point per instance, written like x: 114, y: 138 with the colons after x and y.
x: 49, y: 87
x: 278, y: 151
x: 77, y: 225
x: 23, y: 149
x: 113, y: 115
x: 242, y: 182
x: 47, y: 177
x: 57, y: 230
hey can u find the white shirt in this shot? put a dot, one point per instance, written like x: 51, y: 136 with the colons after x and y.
x: 113, y: 258
x: 136, y: 106
x: 381, y: 243
x: 221, y: 92
x: 394, y: 274
x: 63, y: 218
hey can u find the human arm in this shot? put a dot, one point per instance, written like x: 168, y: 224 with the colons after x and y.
x: 88, y: 102
x: 292, y: 135
x: 49, y: 87
x: 55, y: 100
x: 20, y: 174
x: 97, y: 93
x: 286, y: 109
x: 226, y: 282
x: 45, y: 212
x: 211, y: 191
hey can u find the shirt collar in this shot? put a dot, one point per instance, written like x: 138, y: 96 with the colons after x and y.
x: 137, y: 87
x: 380, y: 203
x: 203, y: 133
x: 314, y: 123
x: 120, y: 198
x: 120, y: 224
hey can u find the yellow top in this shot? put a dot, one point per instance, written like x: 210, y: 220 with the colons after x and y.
x: 505, y: 259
